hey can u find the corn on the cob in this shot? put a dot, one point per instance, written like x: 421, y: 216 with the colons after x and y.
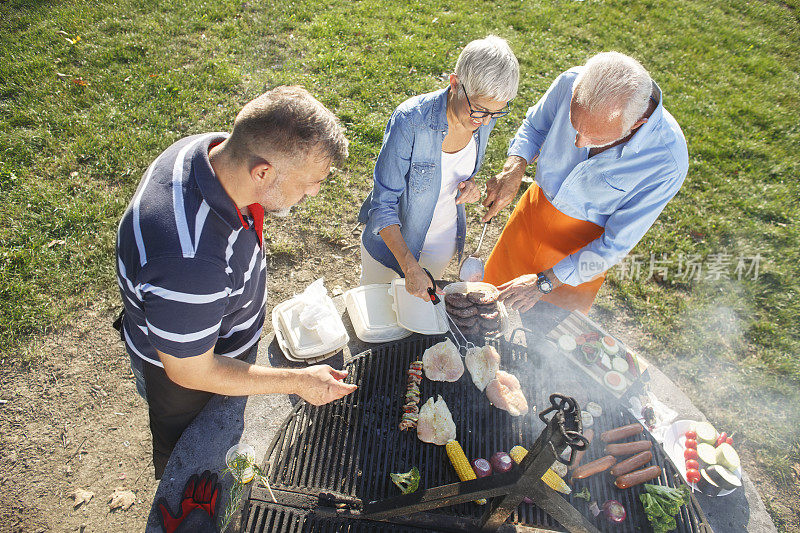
x: 555, y: 482
x: 550, y: 477
x: 518, y: 453
x: 461, y: 464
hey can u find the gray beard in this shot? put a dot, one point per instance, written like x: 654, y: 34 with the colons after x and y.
x: 282, y: 213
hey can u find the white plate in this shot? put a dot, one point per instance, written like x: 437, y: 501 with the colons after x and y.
x: 464, y: 287
x: 673, y: 445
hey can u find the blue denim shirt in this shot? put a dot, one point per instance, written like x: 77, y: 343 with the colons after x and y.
x: 408, y: 176
x: 622, y: 189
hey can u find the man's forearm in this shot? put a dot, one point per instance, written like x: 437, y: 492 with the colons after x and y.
x: 549, y: 274
x: 515, y: 165
x: 230, y: 377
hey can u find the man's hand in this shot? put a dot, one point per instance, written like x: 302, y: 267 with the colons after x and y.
x: 418, y: 282
x: 469, y: 192
x: 321, y: 384
x: 521, y: 293
x: 501, y: 189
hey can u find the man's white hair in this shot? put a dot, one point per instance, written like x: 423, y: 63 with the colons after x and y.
x: 488, y: 68
x: 615, y: 85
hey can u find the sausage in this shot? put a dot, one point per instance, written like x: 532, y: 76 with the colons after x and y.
x: 589, y: 434
x: 620, y: 433
x: 631, y: 463
x: 638, y: 476
x: 595, y: 467
x: 628, y: 448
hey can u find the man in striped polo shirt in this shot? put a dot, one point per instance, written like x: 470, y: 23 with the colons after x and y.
x: 191, y: 266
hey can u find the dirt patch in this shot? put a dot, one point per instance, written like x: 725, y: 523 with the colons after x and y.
x: 73, y: 421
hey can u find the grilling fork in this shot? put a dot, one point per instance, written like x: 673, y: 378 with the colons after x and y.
x: 451, y: 325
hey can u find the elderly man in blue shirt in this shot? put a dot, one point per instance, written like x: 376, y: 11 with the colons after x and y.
x: 608, y: 159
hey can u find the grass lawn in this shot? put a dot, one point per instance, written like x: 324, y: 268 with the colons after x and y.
x: 91, y: 92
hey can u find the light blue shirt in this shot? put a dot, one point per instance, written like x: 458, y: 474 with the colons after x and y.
x: 408, y: 176
x: 623, y: 189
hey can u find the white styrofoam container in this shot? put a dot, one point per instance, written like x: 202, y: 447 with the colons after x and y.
x: 372, y: 314
x: 303, y: 343
x: 414, y: 313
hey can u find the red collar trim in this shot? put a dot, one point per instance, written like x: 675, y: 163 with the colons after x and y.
x: 257, y: 212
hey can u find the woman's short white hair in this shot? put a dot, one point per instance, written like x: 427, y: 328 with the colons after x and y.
x: 487, y: 67
x: 615, y: 85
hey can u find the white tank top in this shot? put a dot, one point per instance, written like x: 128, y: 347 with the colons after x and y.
x: 440, y: 242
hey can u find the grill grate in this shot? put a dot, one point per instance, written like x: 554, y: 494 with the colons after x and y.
x: 349, y: 447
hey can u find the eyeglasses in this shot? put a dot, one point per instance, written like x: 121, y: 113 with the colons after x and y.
x: 476, y: 113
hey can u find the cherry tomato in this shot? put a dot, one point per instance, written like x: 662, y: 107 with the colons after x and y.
x: 690, y: 453
x: 729, y: 440
x: 693, y: 476
x: 692, y: 464
x: 691, y: 434
x: 690, y: 443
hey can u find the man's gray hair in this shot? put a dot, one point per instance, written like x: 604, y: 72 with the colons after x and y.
x: 615, y: 85
x: 488, y: 68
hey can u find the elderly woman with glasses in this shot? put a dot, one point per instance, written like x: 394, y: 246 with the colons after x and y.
x: 433, y: 147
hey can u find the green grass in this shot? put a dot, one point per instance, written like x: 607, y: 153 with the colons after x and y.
x: 72, y: 154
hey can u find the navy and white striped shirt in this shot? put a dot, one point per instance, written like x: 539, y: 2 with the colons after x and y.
x: 191, y: 274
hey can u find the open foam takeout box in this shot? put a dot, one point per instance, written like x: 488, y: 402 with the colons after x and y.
x: 387, y: 312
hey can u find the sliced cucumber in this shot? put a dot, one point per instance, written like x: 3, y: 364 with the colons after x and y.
x: 619, y: 364
x: 727, y: 456
x: 706, y: 455
x: 723, y: 477
x: 707, y: 485
x: 705, y: 433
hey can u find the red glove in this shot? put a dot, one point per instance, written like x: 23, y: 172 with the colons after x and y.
x: 198, y: 493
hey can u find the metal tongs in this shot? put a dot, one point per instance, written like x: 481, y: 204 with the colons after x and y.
x: 451, y: 325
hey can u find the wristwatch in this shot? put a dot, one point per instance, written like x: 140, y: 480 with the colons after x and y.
x: 544, y: 284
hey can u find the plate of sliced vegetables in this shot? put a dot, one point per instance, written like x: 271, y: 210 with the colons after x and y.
x: 705, y: 458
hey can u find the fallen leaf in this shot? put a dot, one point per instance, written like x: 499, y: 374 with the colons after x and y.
x: 80, y: 82
x: 81, y: 496
x: 121, y: 499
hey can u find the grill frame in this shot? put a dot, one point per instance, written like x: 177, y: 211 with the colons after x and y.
x: 367, y: 421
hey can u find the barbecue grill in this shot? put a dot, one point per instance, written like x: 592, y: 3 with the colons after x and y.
x: 329, y: 466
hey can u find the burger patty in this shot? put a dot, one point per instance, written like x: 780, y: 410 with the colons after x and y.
x: 462, y: 312
x: 481, y: 298
x: 457, y: 300
x: 467, y: 322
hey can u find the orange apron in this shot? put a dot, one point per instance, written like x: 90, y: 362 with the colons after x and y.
x: 536, y: 237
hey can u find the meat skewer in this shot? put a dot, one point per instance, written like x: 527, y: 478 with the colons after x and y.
x: 410, y: 415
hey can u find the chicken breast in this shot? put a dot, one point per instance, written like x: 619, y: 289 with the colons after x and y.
x: 442, y: 362
x: 505, y: 393
x: 483, y: 364
x: 435, y: 424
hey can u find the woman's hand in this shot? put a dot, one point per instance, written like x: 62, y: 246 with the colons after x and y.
x: 468, y: 192
x: 418, y: 282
